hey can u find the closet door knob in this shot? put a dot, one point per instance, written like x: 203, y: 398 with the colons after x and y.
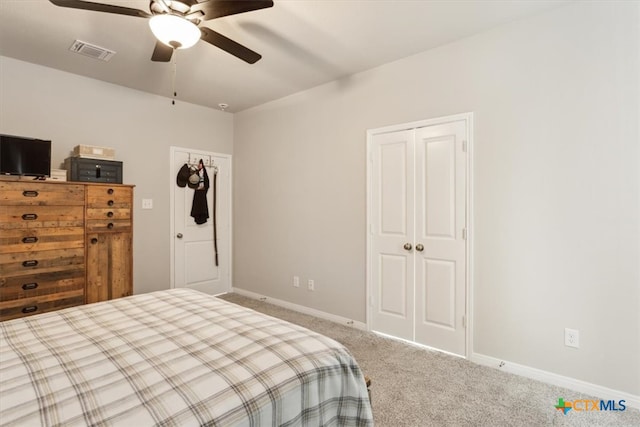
x: 419, y: 247
x: 407, y: 246
x: 179, y: 235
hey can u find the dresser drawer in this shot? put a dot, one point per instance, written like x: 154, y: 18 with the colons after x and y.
x: 40, y: 239
x: 105, y: 197
x: 12, y: 217
x: 32, y: 285
x: 26, y: 263
x: 97, y: 226
x: 40, y: 194
x: 108, y: 214
x: 40, y: 304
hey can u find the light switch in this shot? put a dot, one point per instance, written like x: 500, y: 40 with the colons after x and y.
x: 147, y: 203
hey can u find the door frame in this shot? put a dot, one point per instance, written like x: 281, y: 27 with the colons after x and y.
x: 468, y: 315
x: 172, y: 192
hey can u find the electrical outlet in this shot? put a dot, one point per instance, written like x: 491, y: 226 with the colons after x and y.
x: 571, y: 337
x: 311, y: 285
x: 296, y: 282
x: 147, y: 203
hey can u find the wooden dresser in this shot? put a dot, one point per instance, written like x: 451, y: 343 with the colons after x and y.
x: 63, y: 244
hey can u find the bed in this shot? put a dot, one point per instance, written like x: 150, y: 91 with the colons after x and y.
x: 174, y: 358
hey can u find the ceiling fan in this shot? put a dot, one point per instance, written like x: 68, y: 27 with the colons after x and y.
x: 176, y: 23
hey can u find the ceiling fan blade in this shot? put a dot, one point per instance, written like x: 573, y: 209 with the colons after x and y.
x: 228, y: 45
x: 218, y: 8
x: 162, y: 52
x: 99, y: 7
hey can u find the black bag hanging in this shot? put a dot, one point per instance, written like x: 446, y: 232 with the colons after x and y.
x: 200, y: 208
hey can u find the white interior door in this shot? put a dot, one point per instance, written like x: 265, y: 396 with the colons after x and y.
x: 392, y: 227
x: 193, y: 244
x: 418, y: 198
x: 440, y: 292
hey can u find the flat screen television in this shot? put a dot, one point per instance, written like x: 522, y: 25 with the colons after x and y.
x: 24, y: 156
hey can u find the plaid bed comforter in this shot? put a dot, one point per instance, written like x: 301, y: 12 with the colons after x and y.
x: 174, y: 358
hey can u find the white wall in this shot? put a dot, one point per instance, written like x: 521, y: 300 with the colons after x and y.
x: 45, y: 103
x: 556, y: 210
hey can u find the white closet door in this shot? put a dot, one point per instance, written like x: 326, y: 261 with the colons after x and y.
x: 418, y: 197
x: 440, y: 227
x: 392, y: 222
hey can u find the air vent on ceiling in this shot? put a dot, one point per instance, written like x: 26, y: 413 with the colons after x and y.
x: 91, y: 50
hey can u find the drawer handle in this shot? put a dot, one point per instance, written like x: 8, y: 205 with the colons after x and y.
x: 30, y: 239
x: 30, y: 263
x: 110, y: 214
x: 29, y: 217
x: 29, y: 286
x: 94, y: 241
x: 30, y: 309
x: 30, y: 193
x: 110, y: 191
x: 110, y: 203
x: 110, y: 225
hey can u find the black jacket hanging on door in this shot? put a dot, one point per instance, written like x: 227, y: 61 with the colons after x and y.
x: 200, y: 208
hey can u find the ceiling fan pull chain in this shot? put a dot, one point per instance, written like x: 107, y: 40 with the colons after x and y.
x: 173, y: 79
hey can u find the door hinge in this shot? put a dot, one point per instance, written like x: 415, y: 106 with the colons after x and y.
x: 464, y: 322
x: 464, y: 145
x: 464, y: 233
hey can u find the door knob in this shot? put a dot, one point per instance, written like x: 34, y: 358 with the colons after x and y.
x: 407, y: 246
x: 419, y: 247
x: 179, y: 235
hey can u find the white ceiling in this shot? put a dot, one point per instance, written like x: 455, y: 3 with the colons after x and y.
x: 304, y: 43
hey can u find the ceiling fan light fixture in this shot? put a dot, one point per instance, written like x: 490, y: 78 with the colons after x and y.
x: 174, y: 31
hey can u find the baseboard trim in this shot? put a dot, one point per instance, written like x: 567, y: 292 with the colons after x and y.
x: 557, y: 380
x: 302, y: 309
